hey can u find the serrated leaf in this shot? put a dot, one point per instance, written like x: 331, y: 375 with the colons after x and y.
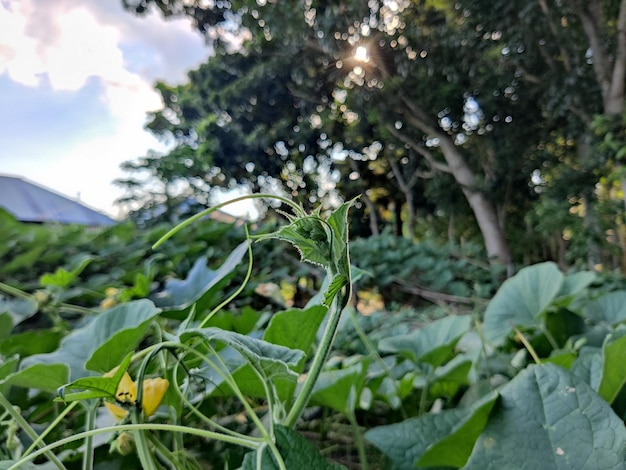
x: 296, y: 453
x: 549, y: 418
x: 95, y: 387
x: 338, y: 283
x: 269, y: 359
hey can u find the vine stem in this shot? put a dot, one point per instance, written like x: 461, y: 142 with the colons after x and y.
x: 208, y: 211
x: 135, y: 427
x: 88, y: 454
x: 320, y: 358
x: 6, y: 404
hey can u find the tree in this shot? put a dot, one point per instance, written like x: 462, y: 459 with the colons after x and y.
x: 455, y: 90
x: 574, y: 54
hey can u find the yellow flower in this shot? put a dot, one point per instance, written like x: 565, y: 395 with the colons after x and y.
x: 153, y: 392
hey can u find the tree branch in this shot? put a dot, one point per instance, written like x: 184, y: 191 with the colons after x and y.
x: 590, y: 14
x: 419, y: 149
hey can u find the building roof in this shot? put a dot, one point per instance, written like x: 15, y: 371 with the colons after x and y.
x: 30, y: 202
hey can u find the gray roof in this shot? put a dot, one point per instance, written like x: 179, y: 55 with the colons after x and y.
x: 30, y: 202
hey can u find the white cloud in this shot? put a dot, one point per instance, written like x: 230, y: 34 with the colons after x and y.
x: 64, y: 46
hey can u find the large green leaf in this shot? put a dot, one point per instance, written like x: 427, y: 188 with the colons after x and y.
x: 340, y: 389
x: 576, y: 283
x: 610, y: 308
x: 200, y: 282
x: 613, y: 371
x: 433, y: 343
x: 18, y: 309
x: 549, y: 418
x: 48, y: 377
x: 295, y: 328
x: 442, y: 439
x: 588, y: 366
x: 31, y: 342
x: 98, y: 346
x: 295, y: 450
x: 522, y: 300
x: 269, y: 359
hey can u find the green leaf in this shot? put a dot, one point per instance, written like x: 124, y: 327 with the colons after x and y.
x: 521, y: 301
x: 449, y: 378
x: 62, y: 278
x: 613, y: 375
x: 7, y: 367
x: 339, y: 389
x: 320, y: 242
x: 441, y: 439
x: 101, y: 344
x: 433, y: 343
x: 549, y: 418
x: 6, y: 325
x: 610, y: 308
x: 269, y: 359
x: 295, y: 328
x: 48, y: 377
x: 296, y: 453
x: 576, y: 283
x: 95, y: 387
x: 588, y: 366
x: 18, y: 309
x: 338, y: 283
x: 31, y: 342
x: 309, y: 235
x: 200, y: 284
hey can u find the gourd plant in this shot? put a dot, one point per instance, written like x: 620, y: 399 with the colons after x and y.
x: 187, y: 361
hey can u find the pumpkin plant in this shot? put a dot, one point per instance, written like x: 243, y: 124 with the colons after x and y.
x: 180, y: 358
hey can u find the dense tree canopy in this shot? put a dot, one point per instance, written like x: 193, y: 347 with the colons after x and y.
x: 475, y: 116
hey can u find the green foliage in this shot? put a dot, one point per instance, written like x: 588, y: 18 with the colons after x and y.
x: 397, y: 266
x: 208, y: 379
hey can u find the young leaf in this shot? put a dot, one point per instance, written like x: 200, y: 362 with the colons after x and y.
x: 95, y: 387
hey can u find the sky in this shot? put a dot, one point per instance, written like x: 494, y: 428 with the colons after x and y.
x: 76, y: 82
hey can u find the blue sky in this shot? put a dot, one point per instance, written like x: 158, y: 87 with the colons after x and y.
x: 76, y: 82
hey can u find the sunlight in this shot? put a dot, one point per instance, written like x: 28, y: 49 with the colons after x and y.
x: 361, y: 54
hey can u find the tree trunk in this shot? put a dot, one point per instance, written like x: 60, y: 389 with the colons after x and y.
x: 484, y: 212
